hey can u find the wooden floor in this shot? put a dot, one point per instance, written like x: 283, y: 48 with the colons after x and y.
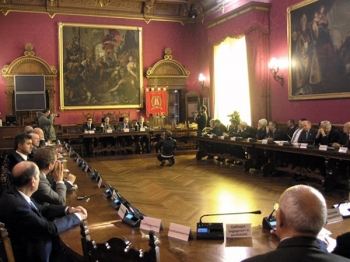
x: 189, y: 189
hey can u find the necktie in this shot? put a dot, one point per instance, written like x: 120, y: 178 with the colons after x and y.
x: 307, y: 135
x: 106, y: 126
x: 347, y: 140
x: 34, y: 208
x: 89, y: 127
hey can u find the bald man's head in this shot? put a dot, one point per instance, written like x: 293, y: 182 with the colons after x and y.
x: 23, y: 172
x: 39, y: 131
x: 304, y: 210
x: 35, y: 139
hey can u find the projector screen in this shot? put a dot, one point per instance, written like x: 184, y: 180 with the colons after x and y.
x: 30, y: 102
x: 29, y: 83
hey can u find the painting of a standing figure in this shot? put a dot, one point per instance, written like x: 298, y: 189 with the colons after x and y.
x: 101, y: 66
x: 319, y: 49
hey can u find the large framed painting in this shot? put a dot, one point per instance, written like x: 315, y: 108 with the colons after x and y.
x: 319, y: 49
x: 100, y: 66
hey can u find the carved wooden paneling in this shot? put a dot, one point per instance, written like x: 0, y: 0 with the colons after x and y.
x: 31, y: 65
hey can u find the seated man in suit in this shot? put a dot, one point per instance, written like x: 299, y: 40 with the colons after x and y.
x: 308, y: 134
x: 33, y: 228
x: 274, y: 133
x: 142, y: 141
x: 291, y: 127
x: 244, y: 131
x: 108, y: 140
x: 36, y: 144
x: 89, y: 126
x: 327, y: 135
x: 40, y: 133
x: 23, y: 146
x: 167, y: 146
x: 339, y: 168
x: 125, y: 126
x: 46, y: 160
x: 301, y: 215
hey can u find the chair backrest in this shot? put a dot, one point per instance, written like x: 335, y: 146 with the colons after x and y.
x: 123, y: 114
x: 112, y: 116
x: 88, y: 115
x: 5, y: 170
x: 117, y: 248
x: 6, y: 253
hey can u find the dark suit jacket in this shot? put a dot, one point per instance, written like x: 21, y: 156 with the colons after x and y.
x: 14, y: 159
x: 290, y: 132
x: 261, y: 133
x: 32, y: 231
x: 301, y: 249
x: 277, y: 135
x: 121, y: 127
x: 219, y: 130
x: 344, y: 140
x: 86, y: 127
x: 202, y: 120
x: 333, y: 136
x: 249, y: 132
x: 311, y: 136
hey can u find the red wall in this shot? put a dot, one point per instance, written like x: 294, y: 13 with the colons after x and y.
x: 17, y: 29
x: 189, y: 45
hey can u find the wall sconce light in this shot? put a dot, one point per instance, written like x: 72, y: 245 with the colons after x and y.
x: 275, y: 65
x: 202, y: 79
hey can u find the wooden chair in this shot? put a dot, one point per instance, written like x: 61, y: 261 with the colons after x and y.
x: 117, y: 248
x: 112, y: 116
x: 88, y: 115
x: 5, y: 170
x: 124, y: 114
x: 6, y: 253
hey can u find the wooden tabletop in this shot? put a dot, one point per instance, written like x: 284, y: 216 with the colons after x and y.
x: 105, y: 223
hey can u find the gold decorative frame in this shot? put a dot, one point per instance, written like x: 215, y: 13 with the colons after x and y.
x: 319, y: 49
x: 100, y: 66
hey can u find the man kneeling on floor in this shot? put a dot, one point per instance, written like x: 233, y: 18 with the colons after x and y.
x: 167, y: 146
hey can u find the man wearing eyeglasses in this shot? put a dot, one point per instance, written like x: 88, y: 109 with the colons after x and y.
x: 301, y: 215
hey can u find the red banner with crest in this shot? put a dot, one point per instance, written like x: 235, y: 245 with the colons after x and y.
x: 156, y: 101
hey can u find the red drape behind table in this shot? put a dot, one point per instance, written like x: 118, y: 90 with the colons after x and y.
x: 156, y: 102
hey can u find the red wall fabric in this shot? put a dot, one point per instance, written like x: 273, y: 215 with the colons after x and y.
x: 189, y: 45
x: 17, y: 29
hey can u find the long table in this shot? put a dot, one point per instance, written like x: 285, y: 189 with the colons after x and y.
x: 105, y: 223
x: 205, y: 144
x: 183, y: 136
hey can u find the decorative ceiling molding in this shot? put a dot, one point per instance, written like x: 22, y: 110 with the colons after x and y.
x: 183, y: 11
x: 250, y: 7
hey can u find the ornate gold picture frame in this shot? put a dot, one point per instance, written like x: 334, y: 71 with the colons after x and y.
x: 100, y: 66
x: 319, y: 49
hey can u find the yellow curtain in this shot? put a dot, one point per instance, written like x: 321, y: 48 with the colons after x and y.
x: 231, y: 81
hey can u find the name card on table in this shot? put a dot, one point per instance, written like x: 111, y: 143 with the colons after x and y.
x: 122, y: 211
x: 265, y: 141
x: 334, y: 215
x: 91, y: 132
x: 100, y: 183
x: 343, y: 149
x: 322, y: 147
x: 150, y: 223
x: 238, y: 230
x: 142, y: 129
x: 233, y: 138
x: 303, y: 145
x: 180, y: 232
x: 222, y: 137
x: 126, y: 130
x: 109, y: 131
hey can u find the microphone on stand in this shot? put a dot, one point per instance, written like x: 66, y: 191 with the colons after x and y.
x: 215, y: 230
x: 269, y: 222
